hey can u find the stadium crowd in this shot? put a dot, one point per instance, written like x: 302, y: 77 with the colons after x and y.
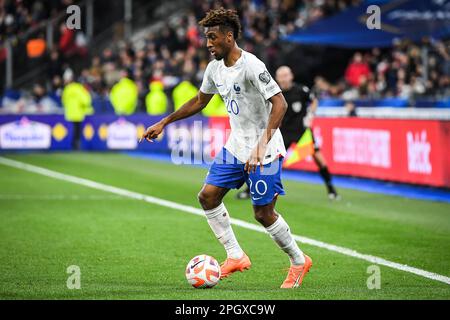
x: 18, y: 16
x: 177, y: 54
x: 398, y: 72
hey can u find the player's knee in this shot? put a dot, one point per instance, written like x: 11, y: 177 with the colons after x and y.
x: 202, y: 197
x: 259, y: 216
x: 263, y: 216
x: 207, y: 200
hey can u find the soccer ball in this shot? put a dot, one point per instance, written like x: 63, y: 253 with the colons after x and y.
x: 203, y: 271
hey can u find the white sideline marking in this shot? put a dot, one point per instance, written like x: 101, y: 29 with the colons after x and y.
x: 58, y: 197
x: 199, y: 212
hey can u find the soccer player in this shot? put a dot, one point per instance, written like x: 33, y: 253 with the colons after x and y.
x: 254, y: 151
x: 302, y: 106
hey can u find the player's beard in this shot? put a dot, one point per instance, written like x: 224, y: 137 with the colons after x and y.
x: 218, y: 56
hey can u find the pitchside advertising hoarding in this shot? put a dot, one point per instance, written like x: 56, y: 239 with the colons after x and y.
x: 412, y: 151
x: 186, y: 140
x: 35, y: 133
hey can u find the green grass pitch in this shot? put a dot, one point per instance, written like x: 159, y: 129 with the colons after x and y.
x: 130, y: 249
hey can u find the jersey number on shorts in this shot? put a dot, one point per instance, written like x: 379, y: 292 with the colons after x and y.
x: 260, y: 189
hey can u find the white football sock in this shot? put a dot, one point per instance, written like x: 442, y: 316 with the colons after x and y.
x: 219, y: 221
x: 279, y: 231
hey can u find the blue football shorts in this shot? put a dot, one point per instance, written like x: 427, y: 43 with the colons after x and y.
x: 228, y: 172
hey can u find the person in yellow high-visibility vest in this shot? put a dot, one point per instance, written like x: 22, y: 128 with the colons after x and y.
x: 124, y: 96
x: 156, y: 100
x: 77, y: 103
x: 215, y: 108
x: 182, y: 93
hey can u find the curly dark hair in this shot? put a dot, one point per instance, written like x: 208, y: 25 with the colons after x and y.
x: 226, y: 19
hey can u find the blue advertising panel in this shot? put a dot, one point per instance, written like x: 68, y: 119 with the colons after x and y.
x: 111, y: 132
x: 35, y: 132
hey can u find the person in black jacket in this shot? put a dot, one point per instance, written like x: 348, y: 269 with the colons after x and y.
x: 302, y: 105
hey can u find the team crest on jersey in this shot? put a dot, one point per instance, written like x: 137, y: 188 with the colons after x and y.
x: 237, y: 89
x: 265, y: 77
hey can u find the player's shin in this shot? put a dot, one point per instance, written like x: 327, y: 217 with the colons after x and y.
x: 219, y: 221
x: 279, y: 231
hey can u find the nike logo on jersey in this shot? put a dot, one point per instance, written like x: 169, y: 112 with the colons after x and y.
x: 256, y: 199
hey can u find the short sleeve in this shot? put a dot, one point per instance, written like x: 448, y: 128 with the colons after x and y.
x: 262, y: 80
x: 208, y: 85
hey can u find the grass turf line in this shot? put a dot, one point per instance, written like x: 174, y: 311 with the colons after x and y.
x: 128, y: 249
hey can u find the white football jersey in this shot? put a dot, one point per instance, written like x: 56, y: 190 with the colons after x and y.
x: 246, y: 88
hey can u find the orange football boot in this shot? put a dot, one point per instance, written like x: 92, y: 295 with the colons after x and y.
x: 230, y: 266
x: 296, y: 274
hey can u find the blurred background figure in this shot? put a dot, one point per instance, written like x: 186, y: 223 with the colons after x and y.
x: 183, y: 92
x: 302, y: 106
x: 156, y: 100
x: 124, y: 96
x: 77, y: 104
x: 350, y: 109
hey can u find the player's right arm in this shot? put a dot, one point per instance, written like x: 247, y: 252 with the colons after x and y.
x: 190, y: 108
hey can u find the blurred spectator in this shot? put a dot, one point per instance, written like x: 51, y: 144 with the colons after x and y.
x: 66, y: 40
x: 156, y: 100
x: 124, y: 96
x: 183, y: 92
x: 77, y: 104
x: 72, y: 42
x: 350, y: 109
x: 54, y: 64
x: 42, y: 101
x: 358, y: 71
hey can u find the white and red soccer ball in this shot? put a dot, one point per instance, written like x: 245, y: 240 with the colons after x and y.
x: 203, y: 271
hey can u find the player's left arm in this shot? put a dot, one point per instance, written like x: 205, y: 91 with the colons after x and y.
x: 279, y: 107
